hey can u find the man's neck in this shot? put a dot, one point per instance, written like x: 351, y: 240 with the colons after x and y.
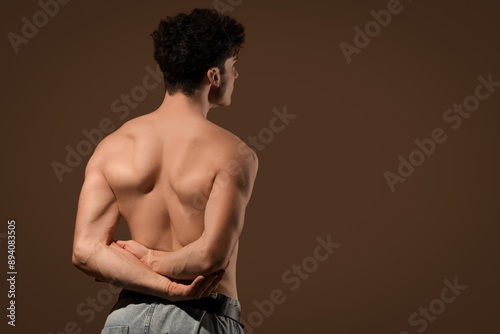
x: 181, y: 104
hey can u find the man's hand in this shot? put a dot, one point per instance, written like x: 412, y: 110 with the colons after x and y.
x: 178, y: 290
x: 199, y: 288
x: 138, y: 250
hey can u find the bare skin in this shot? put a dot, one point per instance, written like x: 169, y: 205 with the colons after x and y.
x: 182, y: 185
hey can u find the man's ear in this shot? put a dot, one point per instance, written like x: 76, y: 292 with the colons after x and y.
x: 213, y: 75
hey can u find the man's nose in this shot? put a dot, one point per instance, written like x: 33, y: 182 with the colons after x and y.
x: 236, y: 74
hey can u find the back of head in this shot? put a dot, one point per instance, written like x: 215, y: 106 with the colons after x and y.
x: 186, y: 46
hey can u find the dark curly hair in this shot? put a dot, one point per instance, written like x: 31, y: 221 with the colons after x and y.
x: 186, y: 46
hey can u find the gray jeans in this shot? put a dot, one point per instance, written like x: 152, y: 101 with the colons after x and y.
x: 137, y: 313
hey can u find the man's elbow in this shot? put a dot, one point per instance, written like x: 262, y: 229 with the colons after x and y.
x: 80, y: 256
x: 213, y: 261
x: 77, y: 260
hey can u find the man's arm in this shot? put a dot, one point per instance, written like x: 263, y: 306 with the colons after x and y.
x: 95, y: 253
x: 224, y: 218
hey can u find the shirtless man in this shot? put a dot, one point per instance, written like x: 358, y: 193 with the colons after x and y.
x: 182, y: 185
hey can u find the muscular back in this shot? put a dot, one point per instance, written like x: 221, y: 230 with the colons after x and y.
x: 161, y: 171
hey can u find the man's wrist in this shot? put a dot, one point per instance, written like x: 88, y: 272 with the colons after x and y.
x: 164, y: 286
x: 151, y: 259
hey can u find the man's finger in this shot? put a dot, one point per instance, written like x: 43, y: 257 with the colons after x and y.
x: 197, y: 282
x: 222, y: 272
x: 213, y: 287
x: 215, y: 282
x: 206, y: 284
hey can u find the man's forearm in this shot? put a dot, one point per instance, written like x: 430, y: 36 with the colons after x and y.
x: 115, y: 265
x: 185, y: 263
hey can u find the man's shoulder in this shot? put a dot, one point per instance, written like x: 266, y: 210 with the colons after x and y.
x: 103, y: 153
x: 231, y: 147
x: 124, y: 136
x: 232, y: 155
x: 113, y: 146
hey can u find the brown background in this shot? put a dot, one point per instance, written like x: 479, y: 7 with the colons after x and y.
x: 323, y: 175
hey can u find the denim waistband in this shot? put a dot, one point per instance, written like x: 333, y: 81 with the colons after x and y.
x: 215, y: 303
